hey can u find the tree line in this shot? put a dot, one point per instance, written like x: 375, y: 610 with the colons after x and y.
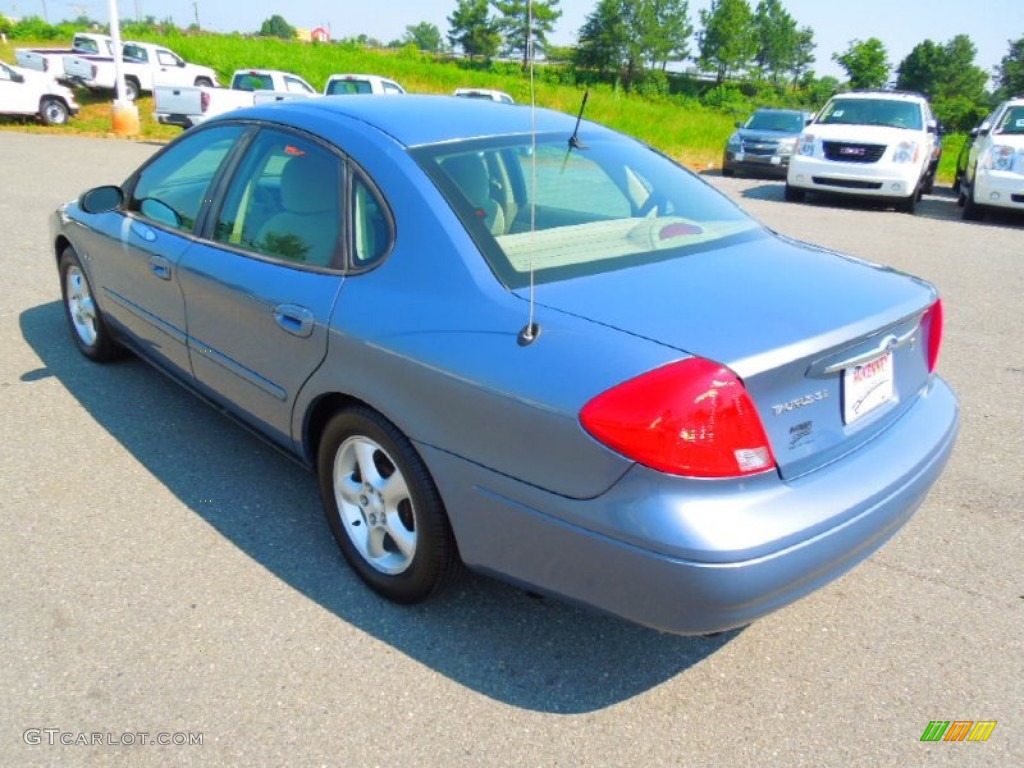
x: 735, y: 54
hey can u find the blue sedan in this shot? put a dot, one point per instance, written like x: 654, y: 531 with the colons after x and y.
x: 537, y: 349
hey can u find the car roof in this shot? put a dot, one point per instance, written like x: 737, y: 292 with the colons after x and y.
x: 417, y: 120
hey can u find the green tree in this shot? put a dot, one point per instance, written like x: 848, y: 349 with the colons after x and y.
x: 1010, y: 72
x: 276, y: 26
x: 948, y: 76
x: 623, y: 35
x: 425, y: 36
x: 866, y: 63
x: 518, y: 28
x: 603, y: 37
x: 473, y: 30
x: 728, y: 40
x: 778, y: 39
x: 665, y: 30
x: 804, y: 55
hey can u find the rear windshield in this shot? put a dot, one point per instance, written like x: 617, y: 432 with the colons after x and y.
x: 613, y: 204
x: 253, y: 81
x: 887, y: 112
x: 789, y: 122
x: 348, y: 87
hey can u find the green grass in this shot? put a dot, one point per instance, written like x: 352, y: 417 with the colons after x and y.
x: 682, y: 128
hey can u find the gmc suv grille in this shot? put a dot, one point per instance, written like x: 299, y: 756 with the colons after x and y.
x: 845, y: 152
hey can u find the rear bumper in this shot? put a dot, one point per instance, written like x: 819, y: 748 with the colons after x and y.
x: 694, y: 557
x: 182, y: 121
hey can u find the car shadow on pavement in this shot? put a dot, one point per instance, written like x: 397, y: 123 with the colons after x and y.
x: 529, y: 652
x: 940, y: 204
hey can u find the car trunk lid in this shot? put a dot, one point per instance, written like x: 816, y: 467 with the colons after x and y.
x: 829, y: 347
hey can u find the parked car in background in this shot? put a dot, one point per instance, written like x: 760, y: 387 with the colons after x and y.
x: 990, y: 168
x: 485, y: 93
x: 143, y: 65
x: 28, y: 93
x: 186, y: 106
x: 765, y: 142
x: 471, y: 328
x: 878, y: 144
x: 351, y: 85
x: 51, y: 60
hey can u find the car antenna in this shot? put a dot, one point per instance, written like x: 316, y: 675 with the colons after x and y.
x: 531, y: 332
x: 574, y: 140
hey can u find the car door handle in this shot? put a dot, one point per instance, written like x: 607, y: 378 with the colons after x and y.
x: 161, y: 267
x: 297, y: 320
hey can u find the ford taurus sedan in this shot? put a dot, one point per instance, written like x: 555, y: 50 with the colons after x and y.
x: 542, y: 351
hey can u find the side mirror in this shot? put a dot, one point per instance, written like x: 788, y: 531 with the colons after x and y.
x: 101, y: 199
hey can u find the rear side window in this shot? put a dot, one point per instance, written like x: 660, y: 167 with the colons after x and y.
x: 174, y: 188
x: 284, y: 202
x: 135, y: 53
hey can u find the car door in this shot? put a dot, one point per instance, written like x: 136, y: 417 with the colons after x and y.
x: 170, y: 69
x: 164, y: 203
x: 16, y: 97
x: 261, y: 288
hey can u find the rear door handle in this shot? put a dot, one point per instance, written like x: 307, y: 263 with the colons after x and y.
x: 297, y: 320
x: 161, y: 267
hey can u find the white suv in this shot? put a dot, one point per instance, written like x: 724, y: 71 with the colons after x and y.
x: 880, y: 144
x: 994, y: 175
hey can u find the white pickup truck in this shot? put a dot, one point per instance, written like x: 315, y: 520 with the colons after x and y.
x: 187, y: 106
x: 28, y: 93
x: 51, y: 60
x: 351, y: 85
x: 144, y: 65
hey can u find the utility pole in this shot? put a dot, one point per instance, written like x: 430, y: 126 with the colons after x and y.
x: 195, y: 7
x: 46, y: 16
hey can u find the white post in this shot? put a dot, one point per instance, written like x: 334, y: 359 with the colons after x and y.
x: 115, y: 32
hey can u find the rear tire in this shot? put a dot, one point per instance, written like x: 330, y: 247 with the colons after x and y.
x: 383, y: 507
x: 53, y: 111
x: 88, y: 327
x: 131, y: 89
x: 204, y: 82
x: 794, y: 194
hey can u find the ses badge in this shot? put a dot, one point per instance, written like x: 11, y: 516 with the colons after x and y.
x: 867, y: 386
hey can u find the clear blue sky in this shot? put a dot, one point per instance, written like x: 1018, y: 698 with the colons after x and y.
x: 899, y: 24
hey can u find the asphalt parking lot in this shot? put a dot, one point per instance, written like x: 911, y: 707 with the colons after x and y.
x: 164, y: 573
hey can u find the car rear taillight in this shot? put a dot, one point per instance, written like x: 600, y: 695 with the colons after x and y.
x: 932, y: 323
x: 692, y: 418
x: 94, y: 69
x: 204, y: 101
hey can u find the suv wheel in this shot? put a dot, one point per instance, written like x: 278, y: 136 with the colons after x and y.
x: 794, y: 194
x: 972, y: 211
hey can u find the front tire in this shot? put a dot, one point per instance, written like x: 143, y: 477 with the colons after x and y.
x: 794, y: 194
x: 972, y: 211
x: 88, y: 327
x: 53, y: 112
x: 383, y: 507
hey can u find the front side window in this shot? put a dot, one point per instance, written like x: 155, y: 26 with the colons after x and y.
x: 567, y: 212
x: 168, y: 59
x: 174, y: 188
x: 284, y: 201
